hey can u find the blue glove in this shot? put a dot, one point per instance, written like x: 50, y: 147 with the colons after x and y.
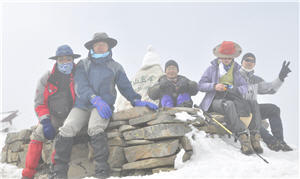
x: 145, y: 103
x: 166, y: 101
x: 183, y: 98
x: 102, y: 107
x: 48, y: 129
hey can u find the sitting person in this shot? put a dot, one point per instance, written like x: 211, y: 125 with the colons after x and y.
x: 172, y: 89
x: 54, y: 99
x: 224, y: 87
x: 257, y: 86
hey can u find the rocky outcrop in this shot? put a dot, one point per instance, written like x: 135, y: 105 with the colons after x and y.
x: 141, y: 142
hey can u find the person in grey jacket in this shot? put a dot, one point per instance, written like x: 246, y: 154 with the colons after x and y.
x: 95, y: 80
x: 224, y: 87
x: 256, y: 86
x: 172, y: 89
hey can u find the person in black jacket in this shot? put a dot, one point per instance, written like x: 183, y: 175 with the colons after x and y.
x: 172, y: 89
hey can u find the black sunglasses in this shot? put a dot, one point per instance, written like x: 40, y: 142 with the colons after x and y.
x: 250, y: 60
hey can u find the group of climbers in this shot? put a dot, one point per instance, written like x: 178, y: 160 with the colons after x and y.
x: 73, y: 96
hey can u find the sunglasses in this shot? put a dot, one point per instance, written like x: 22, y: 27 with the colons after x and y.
x: 250, y: 60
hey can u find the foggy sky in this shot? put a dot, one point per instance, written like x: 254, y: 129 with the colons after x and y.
x: 185, y: 32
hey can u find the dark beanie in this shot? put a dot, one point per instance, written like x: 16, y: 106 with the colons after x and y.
x: 171, y: 62
x: 248, y: 55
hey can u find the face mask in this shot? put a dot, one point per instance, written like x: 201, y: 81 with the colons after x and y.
x: 99, y: 55
x: 65, y: 68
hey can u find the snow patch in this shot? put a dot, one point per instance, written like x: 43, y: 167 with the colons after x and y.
x: 184, y: 116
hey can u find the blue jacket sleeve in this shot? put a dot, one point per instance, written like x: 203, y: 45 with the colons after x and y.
x: 83, y: 89
x: 125, y: 86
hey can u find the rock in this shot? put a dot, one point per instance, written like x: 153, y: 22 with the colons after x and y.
x: 150, y: 163
x: 80, y: 168
x: 134, y: 134
x: 140, y: 172
x: 139, y: 142
x: 4, y: 154
x: 187, y: 156
x: 116, y: 169
x: 124, y: 128
x: 16, y: 146
x: 186, y: 144
x: 163, y: 118
x: 162, y: 169
x: 12, y: 156
x: 116, y: 141
x: 160, y: 149
x: 160, y: 131
x: 116, y: 157
x: 213, y: 129
x: 142, y: 119
x: 198, y: 122
x: 23, y: 135
x: 173, y: 111
x: 131, y: 113
x: 113, y: 134
x: 47, y: 152
x: 22, y: 156
x: 116, y: 124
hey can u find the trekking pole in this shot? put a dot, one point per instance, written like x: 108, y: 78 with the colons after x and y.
x: 232, y: 134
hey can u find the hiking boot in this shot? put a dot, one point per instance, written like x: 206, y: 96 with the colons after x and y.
x: 101, y: 152
x: 255, y: 142
x: 246, y: 147
x: 275, y: 145
x: 285, y: 147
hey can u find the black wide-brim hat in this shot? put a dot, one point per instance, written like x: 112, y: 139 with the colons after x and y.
x: 99, y: 37
x: 64, y: 50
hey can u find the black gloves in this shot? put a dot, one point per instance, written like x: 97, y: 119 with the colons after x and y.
x: 166, y: 86
x: 183, y: 86
x: 284, y: 70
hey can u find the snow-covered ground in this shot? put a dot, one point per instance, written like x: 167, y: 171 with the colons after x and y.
x: 212, y: 157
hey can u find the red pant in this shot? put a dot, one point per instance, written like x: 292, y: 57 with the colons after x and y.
x: 32, y: 158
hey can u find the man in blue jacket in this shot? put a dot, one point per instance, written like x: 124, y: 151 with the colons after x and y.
x: 95, y: 80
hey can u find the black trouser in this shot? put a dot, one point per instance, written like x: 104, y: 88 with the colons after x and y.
x: 271, y: 112
x: 228, y: 109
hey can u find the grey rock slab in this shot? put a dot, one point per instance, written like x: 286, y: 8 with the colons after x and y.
x: 116, y: 124
x: 131, y: 113
x: 116, y: 157
x: 138, y: 142
x: 160, y: 131
x: 186, y: 144
x: 142, y: 119
x: 124, y: 128
x: 150, y: 163
x: 164, y: 118
x: 160, y: 149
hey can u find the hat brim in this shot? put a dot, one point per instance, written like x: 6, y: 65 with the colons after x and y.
x: 110, y: 41
x: 74, y: 56
x: 238, y: 51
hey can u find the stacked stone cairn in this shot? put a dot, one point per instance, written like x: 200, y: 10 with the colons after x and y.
x: 141, y: 142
